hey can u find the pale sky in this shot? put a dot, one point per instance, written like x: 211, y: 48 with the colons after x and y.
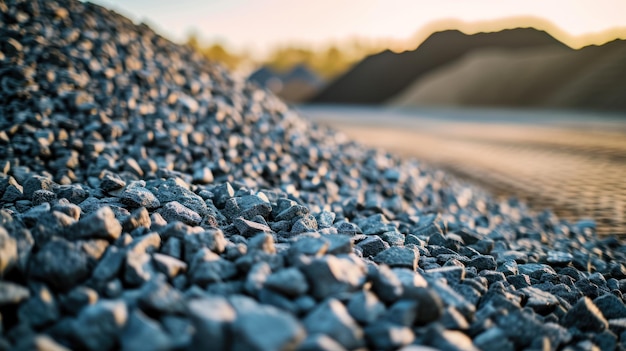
x: 258, y: 25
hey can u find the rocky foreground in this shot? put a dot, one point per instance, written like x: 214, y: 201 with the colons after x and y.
x: 152, y: 202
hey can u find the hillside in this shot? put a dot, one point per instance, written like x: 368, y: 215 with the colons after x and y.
x: 589, y: 78
x: 379, y: 77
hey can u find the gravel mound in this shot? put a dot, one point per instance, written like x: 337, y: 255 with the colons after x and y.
x: 151, y: 201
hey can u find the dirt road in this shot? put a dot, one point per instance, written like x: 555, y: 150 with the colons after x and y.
x: 574, y: 163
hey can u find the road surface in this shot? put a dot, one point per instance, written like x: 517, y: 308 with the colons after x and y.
x: 573, y: 163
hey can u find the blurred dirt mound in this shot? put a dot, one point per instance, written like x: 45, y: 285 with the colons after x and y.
x: 590, y: 78
x: 380, y: 77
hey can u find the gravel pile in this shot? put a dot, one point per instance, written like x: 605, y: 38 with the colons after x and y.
x: 150, y: 201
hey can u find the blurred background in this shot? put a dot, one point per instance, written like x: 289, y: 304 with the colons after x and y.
x: 526, y: 98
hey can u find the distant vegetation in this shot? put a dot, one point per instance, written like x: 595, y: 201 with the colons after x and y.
x: 327, y: 62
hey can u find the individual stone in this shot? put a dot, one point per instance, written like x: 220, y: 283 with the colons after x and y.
x: 453, y: 274
x: 290, y: 282
x: 585, y: 316
x: 557, y: 258
x: 266, y: 328
x: 110, y: 264
x: 372, y: 246
x: 398, y: 257
x: 330, y: 275
x: 494, y: 338
x: 40, y: 310
x: 101, y: 224
x: 12, y: 294
x: 365, y: 307
x: 248, y: 228
x: 386, y: 284
x: 207, y: 267
x: 212, y: 239
x: 212, y: 318
x: 169, y: 265
x: 174, y: 211
x: 246, y: 207
x: 157, y: 297
x: 332, y: 318
x: 111, y: 182
x: 140, y: 217
x: 143, y: 333
x: 8, y: 252
x: 138, y: 196
x: 387, y: 336
x: 43, y: 196
x: 98, y: 326
x: 541, y: 302
x: 78, y: 298
x: 449, y: 340
x: 483, y: 263
x: 611, y: 306
x: 62, y: 274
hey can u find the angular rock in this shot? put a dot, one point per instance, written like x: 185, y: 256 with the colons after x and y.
x: 266, y: 328
x: 585, y: 316
x: 398, y: 257
x: 138, y: 196
x: 289, y: 281
x: 101, y: 224
x: 60, y: 263
x: 174, y: 211
x: 332, y: 318
x: 98, y: 326
x: 330, y: 276
x: 212, y: 318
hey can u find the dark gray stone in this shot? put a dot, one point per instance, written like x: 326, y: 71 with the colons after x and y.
x: 611, y: 306
x: 168, y: 265
x: 212, y: 318
x: 372, y: 246
x: 289, y: 281
x: 386, y: 284
x: 60, y: 263
x: 266, y: 328
x: 248, y: 228
x: 101, y: 224
x: 207, y: 267
x: 387, y: 336
x: 175, y: 211
x: 365, y: 307
x: 135, y: 195
x: 143, y: 333
x: 330, y: 276
x: 541, y: 302
x: 398, y: 257
x: 332, y: 318
x: 98, y: 326
x: 585, y: 316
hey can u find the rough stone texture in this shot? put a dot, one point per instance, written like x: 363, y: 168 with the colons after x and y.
x: 101, y: 224
x: 585, y: 316
x: 332, y: 318
x: 145, y: 192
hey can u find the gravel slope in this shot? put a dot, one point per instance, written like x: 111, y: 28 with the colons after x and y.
x: 150, y: 201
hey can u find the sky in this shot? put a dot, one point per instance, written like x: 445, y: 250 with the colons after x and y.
x: 258, y: 25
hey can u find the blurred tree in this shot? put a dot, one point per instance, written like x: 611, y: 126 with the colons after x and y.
x: 328, y: 62
x: 215, y: 52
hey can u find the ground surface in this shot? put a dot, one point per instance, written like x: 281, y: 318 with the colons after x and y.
x: 574, y: 163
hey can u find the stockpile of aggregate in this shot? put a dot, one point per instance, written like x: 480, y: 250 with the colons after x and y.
x: 149, y: 201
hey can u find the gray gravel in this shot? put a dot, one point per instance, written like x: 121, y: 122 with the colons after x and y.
x: 149, y: 200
